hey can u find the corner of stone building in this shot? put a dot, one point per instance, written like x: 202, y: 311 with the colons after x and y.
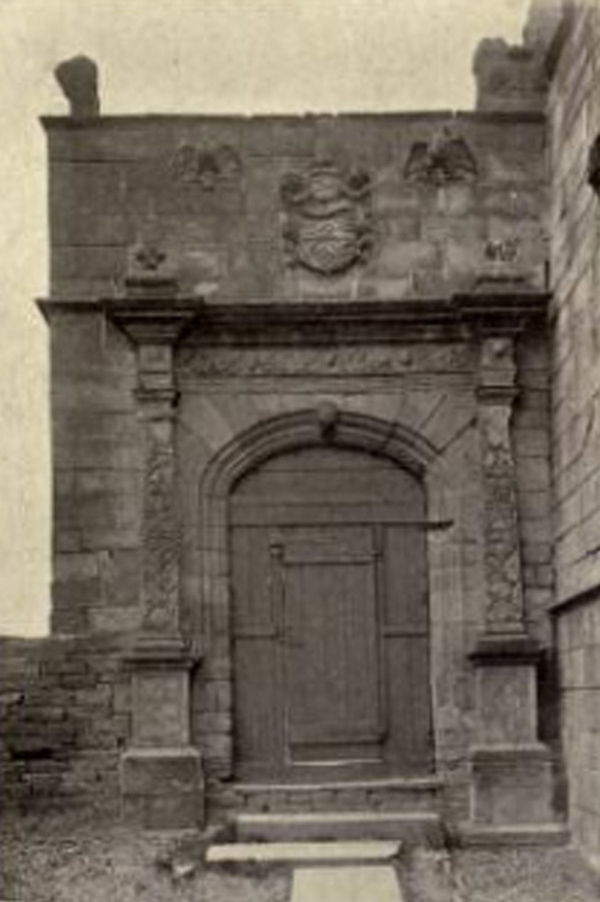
x: 513, y: 78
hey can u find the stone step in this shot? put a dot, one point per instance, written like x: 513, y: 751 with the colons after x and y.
x: 410, y: 827
x: 491, y: 835
x: 410, y: 795
x: 330, y: 852
x: 346, y: 884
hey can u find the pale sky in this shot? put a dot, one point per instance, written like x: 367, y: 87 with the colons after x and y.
x: 181, y: 56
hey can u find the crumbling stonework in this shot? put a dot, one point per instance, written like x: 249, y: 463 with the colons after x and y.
x: 64, y: 706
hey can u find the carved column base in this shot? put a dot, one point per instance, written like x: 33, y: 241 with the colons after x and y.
x: 512, y: 779
x: 162, y: 783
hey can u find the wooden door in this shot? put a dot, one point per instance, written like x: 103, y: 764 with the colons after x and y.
x: 330, y: 625
x: 330, y: 638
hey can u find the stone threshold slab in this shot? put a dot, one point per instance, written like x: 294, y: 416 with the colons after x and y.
x: 346, y: 884
x: 303, y: 852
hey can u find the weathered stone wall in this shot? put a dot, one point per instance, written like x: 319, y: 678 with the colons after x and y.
x: 211, y: 193
x: 574, y: 121
x: 97, y: 453
x: 578, y: 634
x: 447, y: 209
x: 64, y: 715
x: 452, y: 204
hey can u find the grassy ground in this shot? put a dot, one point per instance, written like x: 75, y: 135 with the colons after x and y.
x: 51, y: 859
x: 506, y: 875
x: 46, y: 859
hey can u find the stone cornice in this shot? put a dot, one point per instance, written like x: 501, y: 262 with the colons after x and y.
x: 457, y: 317
x: 56, y: 123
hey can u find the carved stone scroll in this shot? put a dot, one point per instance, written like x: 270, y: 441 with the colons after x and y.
x: 497, y: 390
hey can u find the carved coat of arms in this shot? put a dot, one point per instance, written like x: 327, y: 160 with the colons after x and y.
x: 327, y: 223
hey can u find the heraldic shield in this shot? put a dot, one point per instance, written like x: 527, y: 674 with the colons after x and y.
x: 327, y: 223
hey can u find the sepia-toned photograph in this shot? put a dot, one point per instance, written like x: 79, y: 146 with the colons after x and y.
x: 300, y: 451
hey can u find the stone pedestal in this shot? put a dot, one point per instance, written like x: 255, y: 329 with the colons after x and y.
x: 512, y: 778
x: 161, y: 774
x: 511, y: 771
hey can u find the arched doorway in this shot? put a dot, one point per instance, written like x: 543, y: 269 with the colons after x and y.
x: 330, y: 620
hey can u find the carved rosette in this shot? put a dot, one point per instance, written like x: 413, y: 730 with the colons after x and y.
x: 327, y: 224
x: 497, y: 390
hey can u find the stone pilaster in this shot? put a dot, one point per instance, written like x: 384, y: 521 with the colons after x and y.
x: 512, y: 780
x: 161, y: 773
x: 496, y: 393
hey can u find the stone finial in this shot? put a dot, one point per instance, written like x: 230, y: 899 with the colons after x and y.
x: 509, y: 77
x: 78, y: 79
x: 148, y: 271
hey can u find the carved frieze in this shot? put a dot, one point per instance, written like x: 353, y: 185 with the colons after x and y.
x: 346, y: 360
x: 207, y: 167
x: 327, y: 224
x: 446, y: 157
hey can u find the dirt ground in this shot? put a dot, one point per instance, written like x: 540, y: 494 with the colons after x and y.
x: 49, y: 859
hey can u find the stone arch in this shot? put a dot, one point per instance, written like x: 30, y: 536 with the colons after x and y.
x: 324, y: 425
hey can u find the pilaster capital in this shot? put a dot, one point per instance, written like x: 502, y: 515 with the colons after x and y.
x: 153, y: 321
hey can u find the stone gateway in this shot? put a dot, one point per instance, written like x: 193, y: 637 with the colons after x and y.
x: 308, y: 437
